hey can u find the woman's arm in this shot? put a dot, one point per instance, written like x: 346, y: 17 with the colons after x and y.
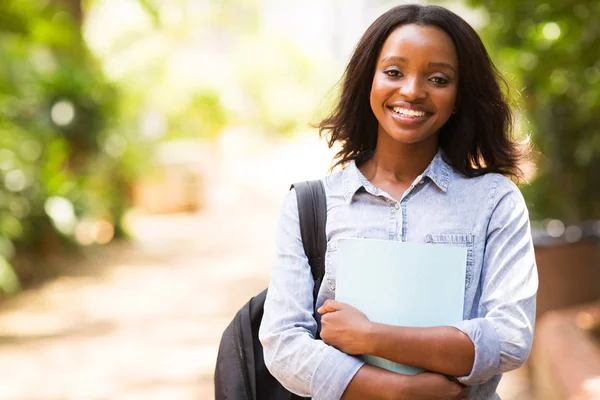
x: 441, y: 349
x: 375, y: 383
x: 378, y: 384
x: 303, y: 365
x: 503, y: 329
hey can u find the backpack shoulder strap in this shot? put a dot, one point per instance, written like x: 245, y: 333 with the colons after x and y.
x: 312, y: 210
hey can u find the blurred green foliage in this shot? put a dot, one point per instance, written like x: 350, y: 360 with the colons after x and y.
x: 250, y: 73
x: 61, y: 157
x: 203, y: 116
x: 552, y: 49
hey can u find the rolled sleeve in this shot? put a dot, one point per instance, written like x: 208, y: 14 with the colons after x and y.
x: 302, y: 364
x: 487, y: 350
x: 502, y: 329
x: 333, y: 375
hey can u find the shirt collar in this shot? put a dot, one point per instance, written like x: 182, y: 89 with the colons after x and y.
x: 438, y: 170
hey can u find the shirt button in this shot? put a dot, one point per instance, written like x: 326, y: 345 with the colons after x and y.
x: 397, y: 206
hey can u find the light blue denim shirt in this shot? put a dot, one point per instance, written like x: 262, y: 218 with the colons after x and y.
x: 486, y: 214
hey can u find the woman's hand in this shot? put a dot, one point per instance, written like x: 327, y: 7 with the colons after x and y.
x: 431, y: 386
x: 344, y: 327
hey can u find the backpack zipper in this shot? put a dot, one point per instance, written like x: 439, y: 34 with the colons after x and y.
x: 240, y: 349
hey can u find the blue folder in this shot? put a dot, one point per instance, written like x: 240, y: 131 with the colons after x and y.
x: 403, y: 284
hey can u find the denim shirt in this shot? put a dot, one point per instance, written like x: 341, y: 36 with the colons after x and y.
x: 486, y: 214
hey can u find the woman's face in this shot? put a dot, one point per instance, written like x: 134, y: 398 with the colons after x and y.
x: 415, y: 84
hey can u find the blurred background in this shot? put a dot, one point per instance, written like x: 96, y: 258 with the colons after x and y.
x: 146, y: 146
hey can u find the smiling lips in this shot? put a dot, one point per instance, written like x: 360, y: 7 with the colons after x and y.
x: 405, y: 112
x: 410, y: 114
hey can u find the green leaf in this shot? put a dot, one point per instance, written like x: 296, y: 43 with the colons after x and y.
x: 9, y: 282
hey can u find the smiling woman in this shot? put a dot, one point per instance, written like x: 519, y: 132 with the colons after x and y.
x: 426, y: 146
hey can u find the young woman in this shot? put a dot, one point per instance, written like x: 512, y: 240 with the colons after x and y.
x: 425, y: 133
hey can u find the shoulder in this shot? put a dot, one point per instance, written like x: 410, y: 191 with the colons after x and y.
x: 331, y: 183
x: 506, y: 192
x: 334, y: 182
x: 505, y: 202
x: 490, y: 188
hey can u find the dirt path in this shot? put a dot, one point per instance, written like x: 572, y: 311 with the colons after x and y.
x: 139, y: 320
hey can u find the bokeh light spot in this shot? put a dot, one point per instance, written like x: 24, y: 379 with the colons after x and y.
x: 551, y: 31
x: 62, y: 213
x: 15, y: 180
x: 31, y: 150
x: 555, y: 228
x: 62, y: 113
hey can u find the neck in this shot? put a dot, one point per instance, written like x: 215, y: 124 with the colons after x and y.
x: 399, y: 163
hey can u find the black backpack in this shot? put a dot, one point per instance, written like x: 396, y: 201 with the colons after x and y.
x: 240, y: 373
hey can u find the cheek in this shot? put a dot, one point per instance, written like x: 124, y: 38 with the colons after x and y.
x: 447, y: 103
x: 380, y: 92
x: 382, y: 87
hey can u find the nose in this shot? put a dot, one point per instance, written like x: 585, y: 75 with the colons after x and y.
x: 411, y: 88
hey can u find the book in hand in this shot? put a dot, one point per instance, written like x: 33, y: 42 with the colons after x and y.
x: 402, y: 284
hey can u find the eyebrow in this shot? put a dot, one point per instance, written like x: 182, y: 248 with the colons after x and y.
x: 431, y: 64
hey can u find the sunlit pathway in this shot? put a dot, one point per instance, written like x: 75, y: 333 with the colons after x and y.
x: 138, y: 321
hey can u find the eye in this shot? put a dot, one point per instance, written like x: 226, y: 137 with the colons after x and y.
x: 394, y: 73
x: 439, y: 80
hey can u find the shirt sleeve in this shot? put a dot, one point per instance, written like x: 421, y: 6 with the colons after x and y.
x: 303, y: 365
x: 503, y: 331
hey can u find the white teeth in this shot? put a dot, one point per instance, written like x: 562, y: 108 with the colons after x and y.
x: 408, y: 113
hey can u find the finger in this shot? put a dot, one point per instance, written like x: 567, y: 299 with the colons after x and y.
x: 329, y: 306
x: 454, y: 379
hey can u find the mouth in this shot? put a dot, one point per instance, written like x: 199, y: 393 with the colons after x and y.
x: 409, y: 115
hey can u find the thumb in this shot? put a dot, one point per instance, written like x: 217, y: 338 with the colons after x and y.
x: 330, y: 306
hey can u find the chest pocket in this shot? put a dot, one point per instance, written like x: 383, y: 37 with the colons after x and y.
x: 460, y: 240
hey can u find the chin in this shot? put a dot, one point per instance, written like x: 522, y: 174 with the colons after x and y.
x: 411, y: 138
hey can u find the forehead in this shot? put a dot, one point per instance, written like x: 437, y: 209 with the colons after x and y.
x: 428, y: 42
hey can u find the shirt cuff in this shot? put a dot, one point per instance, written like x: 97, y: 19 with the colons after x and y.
x: 334, y: 374
x: 487, y: 350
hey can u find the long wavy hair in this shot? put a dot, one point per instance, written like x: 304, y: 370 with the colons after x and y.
x: 476, y: 139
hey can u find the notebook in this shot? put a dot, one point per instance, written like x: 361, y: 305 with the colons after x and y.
x: 400, y: 283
